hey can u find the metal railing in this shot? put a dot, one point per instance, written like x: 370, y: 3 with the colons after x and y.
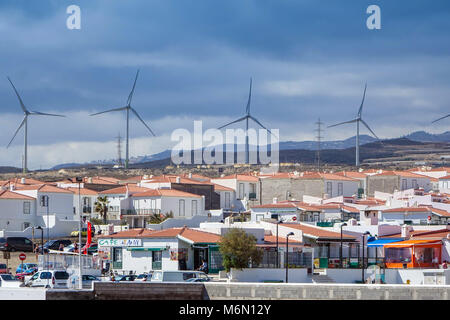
x: 139, y: 212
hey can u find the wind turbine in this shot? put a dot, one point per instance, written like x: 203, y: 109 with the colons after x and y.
x: 358, y: 120
x: 246, y: 118
x: 24, y: 124
x: 441, y: 118
x: 128, y: 108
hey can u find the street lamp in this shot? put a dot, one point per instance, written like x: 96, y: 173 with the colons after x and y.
x: 287, y: 254
x: 79, y: 180
x: 42, y: 241
x: 363, y: 264
x: 278, y: 259
x: 340, y: 253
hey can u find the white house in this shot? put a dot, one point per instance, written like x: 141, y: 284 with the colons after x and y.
x: 18, y: 211
x: 245, y: 186
x: 227, y: 196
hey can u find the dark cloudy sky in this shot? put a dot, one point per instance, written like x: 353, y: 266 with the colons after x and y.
x: 308, y: 59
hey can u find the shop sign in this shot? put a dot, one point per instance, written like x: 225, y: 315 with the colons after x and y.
x: 120, y: 242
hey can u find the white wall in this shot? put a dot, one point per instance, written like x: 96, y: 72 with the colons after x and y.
x: 295, y: 275
x: 349, y: 188
x: 12, y: 215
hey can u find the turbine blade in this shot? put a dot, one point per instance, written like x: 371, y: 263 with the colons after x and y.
x: 134, y: 111
x: 45, y: 114
x: 18, y: 96
x: 247, y: 110
x: 362, y: 102
x: 111, y: 110
x: 21, y: 125
x: 338, y: 124
x: 238, y: 120
x: 367, y: 126
x: 441, y: 118
x: 130, y: 96
x: 254, y: 119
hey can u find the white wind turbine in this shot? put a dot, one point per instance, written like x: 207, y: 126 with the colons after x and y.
x: 128, y: 108
x: 246, y: 118
x: 441, y: 118
x: 24, y: 124
x: 358, y: 120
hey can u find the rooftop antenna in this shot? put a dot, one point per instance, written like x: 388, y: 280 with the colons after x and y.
x: 246, y: 118
x: 358, y: 120
x: 24, y: 124
x: 128, y: 108
x: 319, y: 139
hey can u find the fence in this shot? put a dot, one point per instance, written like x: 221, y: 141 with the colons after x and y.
x: 64, y: 261
x: 295, y: 259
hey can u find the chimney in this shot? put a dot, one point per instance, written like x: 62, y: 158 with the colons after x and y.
x: 275, y: 200
x: 178, y: 180
x: 12, y: 187
x: 405, y: 231
x: 190, y: 175
x: 325, y: 196
x: 90, y: 180
x: 22, y: 180
x: 145, y: 177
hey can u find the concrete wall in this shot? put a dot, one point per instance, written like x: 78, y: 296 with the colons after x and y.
x: 22, y: 294
x: 298, y: 275
x: 385, y: 184
x: 307, y: 291
x: 278, y: 188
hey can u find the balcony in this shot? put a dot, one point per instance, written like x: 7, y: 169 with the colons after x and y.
x: 139, y: 212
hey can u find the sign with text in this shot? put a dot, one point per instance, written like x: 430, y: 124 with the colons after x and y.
x: 120, y: 242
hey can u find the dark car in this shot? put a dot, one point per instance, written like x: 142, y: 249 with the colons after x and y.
x: 54, y: 245
x: 16, y: 244
x: 127, y: 277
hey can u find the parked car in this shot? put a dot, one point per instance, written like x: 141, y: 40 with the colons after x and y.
x: 8, y: 280
x: 83, y: 232
x: 144, y: 277
x: 25, y: 266
x: 54, y: 245
x: 92, y: 248
x: 49, y: 279
x: 4, y: 268
x: 126, y: 277
x: 71, y: 248
x: 177, y: 276
x: 16, y: 244
x: 26, y: 273
x: 201, y: 279
x: 87, y: 281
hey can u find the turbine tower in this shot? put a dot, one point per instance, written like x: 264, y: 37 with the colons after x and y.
x: 128, y: 108
x: 24, y: 124
x: 246, y: 118
x: 358, y: 120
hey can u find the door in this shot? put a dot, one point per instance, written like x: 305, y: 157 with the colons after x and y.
x: 199, y: 255
x: 156, y: 260
x: 117, y: 258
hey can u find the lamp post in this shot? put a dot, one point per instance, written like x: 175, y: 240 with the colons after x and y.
x: 340, y: 251
x: 278, y: 259
x: 287, y: 254
x: 42, y: 241
x: 79, y: 180
x: 362, y: 262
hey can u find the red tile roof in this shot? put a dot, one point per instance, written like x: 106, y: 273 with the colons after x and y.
x: 6, y: 194
x: 317, y: 232
x: 84, y: 191
x: 165, y: 193
x: 241, y: 177
x: 132, y: 188
x: 44, y: 188
x: 408, y: 209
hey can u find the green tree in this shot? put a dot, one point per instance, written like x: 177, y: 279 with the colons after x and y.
x: 156, y: 218
x: 238, y: 249
x: 101, y: 207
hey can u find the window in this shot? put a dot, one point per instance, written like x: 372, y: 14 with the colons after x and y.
x: 340, y: 189
x: 43, y: 201
x: 404, y: 184
x: 181, y: 212
x: 241, y: 191
x: 329, y: 189
x: 227, y: 200
x: 194, y: 207
x: 26, y: 225
x: 26, y: 207
x: 414, y: 184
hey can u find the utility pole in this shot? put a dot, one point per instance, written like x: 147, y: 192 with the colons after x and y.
x: 319, y: 138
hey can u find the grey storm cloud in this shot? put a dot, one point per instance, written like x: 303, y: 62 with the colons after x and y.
x: 307, y: 60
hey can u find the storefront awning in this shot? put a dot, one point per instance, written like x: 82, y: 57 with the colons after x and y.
x: 381, y: 242
x: 146, y: 249
x: 412, y: 243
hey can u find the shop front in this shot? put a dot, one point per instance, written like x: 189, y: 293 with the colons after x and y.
x: 413, y: 254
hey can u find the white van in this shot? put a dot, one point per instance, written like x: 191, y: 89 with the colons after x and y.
x: 57, y: 279
x: 178, y: 276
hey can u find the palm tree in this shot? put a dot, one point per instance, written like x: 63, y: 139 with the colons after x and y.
x: 156, y: 218
x: 101, y: 207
